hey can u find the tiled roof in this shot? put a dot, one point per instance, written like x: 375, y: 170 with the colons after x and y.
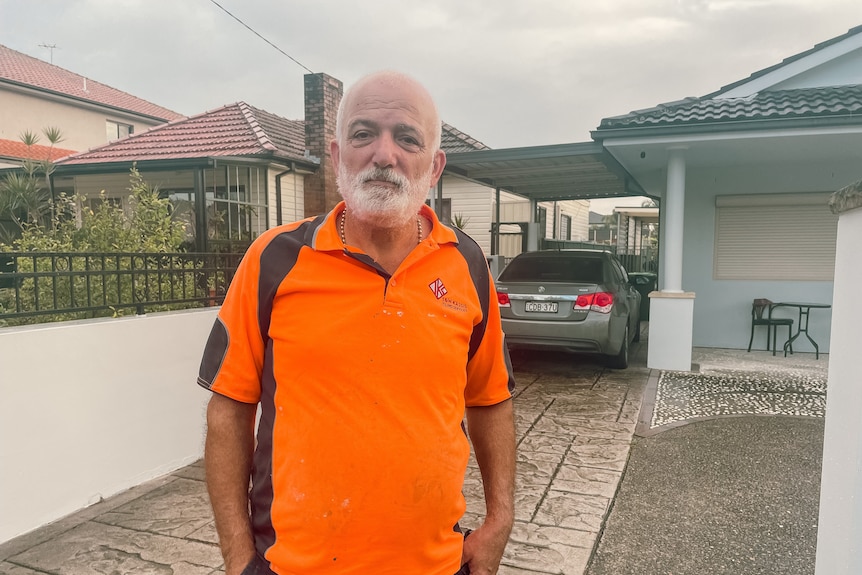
x: 453, y: 140
x: 18, y: 68
x: 803, y: 103
x: 232, y: 130
x: 19, y: 151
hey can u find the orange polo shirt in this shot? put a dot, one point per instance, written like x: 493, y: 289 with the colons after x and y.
x: 362, y: 379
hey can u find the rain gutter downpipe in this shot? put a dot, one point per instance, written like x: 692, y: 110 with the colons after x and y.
x: 278, y: 202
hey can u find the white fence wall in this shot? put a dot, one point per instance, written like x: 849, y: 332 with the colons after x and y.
x: 839, y: 532
x: 91, y: 408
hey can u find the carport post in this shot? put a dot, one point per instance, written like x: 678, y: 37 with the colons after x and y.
x: 495, y: 240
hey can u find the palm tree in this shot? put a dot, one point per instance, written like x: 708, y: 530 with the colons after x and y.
x: 27, y: 196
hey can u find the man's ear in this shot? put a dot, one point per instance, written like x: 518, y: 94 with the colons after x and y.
x: 335, y: 153
x: 437, y: 165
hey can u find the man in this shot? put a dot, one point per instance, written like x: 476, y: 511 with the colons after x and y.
x: 363, y: 335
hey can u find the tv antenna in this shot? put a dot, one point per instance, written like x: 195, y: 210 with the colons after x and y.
x: 51, y: 47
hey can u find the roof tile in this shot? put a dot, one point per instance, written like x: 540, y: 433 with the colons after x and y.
x: 233, y: 130
x: 453, y: 141
x: 18, y: 68
x: 19, y: 151
x: 768, y: 105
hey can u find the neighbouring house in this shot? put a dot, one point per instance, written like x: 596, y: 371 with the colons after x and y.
x: 35, y: 95
x: 743, y: 175
x: 602, y: 229
x: 237, y: 170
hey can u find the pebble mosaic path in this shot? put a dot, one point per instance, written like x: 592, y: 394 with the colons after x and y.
x: 731, y: 383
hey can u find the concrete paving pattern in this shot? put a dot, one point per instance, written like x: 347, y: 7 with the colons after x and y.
x: 575, y: 422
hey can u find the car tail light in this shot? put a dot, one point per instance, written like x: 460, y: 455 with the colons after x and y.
x: 601, y: 302
x: 503, y: 299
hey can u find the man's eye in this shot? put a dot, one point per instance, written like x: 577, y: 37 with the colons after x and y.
x: 361, y: 135
x: 410, y: 141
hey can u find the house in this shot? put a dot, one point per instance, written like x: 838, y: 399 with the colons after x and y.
x: 601, y: 230
x: 237, y: 170
x: 35, y: 95
x: 743, y: 175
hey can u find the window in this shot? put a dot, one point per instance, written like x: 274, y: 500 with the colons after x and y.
x: 774, y: 237
x: 236, y: 209
x: 542, y: 219
x: 554, y: 268
x: 236, y: 205
x: 565, y: 227
x: 116, y: 130
x: 444, y: 211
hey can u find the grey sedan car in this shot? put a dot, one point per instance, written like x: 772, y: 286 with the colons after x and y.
x: 580, y: 300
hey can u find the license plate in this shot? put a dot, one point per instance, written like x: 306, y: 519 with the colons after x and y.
x: 541, y: 306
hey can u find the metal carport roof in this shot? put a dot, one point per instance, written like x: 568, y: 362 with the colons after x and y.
x: 548, y: 173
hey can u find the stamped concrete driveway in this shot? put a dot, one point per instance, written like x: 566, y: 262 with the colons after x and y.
x: 575, y: 420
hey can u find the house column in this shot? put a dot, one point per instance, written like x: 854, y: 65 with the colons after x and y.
x: 839, y: 529
x: 671, y: 309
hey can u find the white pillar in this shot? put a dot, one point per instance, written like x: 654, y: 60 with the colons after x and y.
x: 674, y: 205
x: 839, y: 531
x: 671, y: 309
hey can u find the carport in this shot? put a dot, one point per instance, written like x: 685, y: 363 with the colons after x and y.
x: 544, y: 173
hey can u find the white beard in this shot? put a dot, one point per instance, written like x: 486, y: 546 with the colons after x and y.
x: 384, y: 206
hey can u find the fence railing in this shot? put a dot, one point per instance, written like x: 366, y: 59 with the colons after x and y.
x: 633, y: 259
x: 37, y: 287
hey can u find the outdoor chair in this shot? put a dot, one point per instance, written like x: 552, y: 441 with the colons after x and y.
x: 758, y: 317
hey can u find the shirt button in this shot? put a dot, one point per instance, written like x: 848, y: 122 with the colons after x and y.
x: 394, y: 283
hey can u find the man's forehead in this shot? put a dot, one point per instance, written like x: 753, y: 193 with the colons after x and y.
x: 390, y: 93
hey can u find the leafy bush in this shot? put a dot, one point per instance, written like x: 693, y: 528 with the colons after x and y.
x: 102, y: 258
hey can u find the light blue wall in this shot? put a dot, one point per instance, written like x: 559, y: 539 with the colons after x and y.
x: 722, y: 309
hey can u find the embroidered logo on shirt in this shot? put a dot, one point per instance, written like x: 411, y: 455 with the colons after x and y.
x: 438, y: 288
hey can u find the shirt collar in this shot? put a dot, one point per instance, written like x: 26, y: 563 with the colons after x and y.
x: 328, y: 236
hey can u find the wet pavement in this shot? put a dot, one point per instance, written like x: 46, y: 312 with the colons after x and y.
x: 575, y: 420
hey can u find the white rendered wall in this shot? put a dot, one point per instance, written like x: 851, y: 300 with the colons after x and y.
x: 839, y: 534
x: 92, y: 408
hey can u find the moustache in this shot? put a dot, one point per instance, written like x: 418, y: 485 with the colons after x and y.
x: 383, y: 175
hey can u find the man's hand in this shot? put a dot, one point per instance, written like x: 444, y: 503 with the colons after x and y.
x: 483, y: 549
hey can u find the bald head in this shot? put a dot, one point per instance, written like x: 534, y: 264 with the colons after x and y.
x: 414, y: 93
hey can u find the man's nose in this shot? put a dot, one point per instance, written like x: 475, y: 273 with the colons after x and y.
x: 385, y: 151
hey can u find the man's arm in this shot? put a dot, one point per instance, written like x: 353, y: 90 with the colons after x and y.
x: 492, y: 431
x: 228, y: 454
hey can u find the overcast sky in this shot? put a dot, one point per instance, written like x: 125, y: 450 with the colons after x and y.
x: 510, y: 73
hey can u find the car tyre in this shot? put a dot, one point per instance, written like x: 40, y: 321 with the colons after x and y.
x: 621, y: 360
x: 637, y: 336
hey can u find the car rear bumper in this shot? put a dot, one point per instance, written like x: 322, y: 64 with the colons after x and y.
x: 590, y: 335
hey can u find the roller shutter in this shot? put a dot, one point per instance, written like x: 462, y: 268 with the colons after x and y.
x: 775, y: 237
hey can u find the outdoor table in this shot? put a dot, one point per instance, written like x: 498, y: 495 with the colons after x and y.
x: 804, y: 310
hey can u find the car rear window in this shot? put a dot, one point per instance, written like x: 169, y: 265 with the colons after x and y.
x: 553, y: 269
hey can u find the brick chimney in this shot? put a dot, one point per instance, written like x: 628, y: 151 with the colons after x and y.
x: 322, y: 97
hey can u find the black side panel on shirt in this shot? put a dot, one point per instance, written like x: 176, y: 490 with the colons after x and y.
x: 479, y: 272
x: 214, y: 353
x: 478, y: 266
x: 276, y: 262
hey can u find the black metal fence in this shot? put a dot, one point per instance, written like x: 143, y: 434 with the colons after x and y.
x: 39, y: 287
x: 633, y: 259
